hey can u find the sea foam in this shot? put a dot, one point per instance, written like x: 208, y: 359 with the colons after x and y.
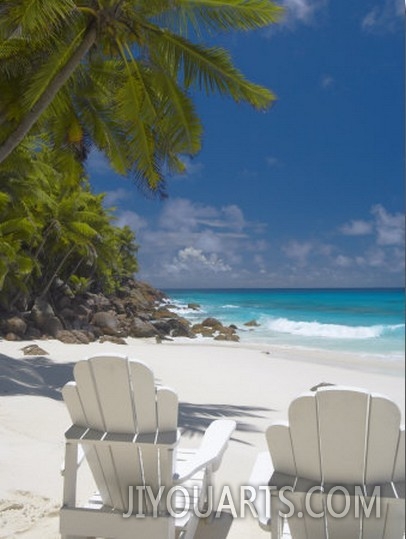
x: 332, y: 331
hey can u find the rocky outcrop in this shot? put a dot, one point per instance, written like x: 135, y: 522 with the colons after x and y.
x: 252, y: 324
x: 211, y: 327
x: 137, y: 310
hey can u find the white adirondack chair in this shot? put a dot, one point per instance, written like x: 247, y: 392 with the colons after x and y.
x: 127, y: 429
x: 336, y: 436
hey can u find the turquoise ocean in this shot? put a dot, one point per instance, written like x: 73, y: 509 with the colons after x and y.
x: 363, y: 321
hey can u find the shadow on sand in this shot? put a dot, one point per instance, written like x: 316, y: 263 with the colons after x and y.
x: 40, y: 376
x: 195, y: 418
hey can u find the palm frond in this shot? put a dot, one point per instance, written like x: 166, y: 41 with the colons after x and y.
x: 210, y: 69
x: 37, y: 16
x: 220, y: 15
x: 50, y: 69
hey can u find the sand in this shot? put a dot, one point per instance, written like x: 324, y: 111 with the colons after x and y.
x: 252, y: 384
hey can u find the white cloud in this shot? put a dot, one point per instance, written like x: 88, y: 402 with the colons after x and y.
x: 384, y: 17
x: 327, y: 81
x: 193, y: 244
x: 234, y: 217
x: 118, y: 195
x: 194, y: 261
x: 343, y: 261
x: 131, y: 219
x: 390, y: 228
x: 183, y: 214
x: 189, y: 244
x: 298, y: 251
x: 357, y: 228
x: 302, y: 11
x: 210, y: 241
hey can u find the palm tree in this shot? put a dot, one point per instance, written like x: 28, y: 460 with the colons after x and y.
x: 118, y: 74
x: 51, y: 225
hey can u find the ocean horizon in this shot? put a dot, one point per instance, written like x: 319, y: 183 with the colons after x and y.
x: 363, y: 321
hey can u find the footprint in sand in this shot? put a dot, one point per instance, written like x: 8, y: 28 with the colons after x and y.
x: 21, y: 510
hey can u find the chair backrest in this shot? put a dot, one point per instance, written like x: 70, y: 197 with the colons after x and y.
x: 340, y: 435
x: 138, y: 422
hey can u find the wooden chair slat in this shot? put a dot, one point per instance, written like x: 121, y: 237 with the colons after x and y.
x: 88, y: 395
x: 280, y: 447
x: 144, y: 397
x: 399, y: 469
x: 167, y: 410
x: 303, y: 422
x: 111, y: 379
x: 383, y: 434
x: 343, y: 422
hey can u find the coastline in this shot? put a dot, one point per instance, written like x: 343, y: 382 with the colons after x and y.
x: 252, y: 383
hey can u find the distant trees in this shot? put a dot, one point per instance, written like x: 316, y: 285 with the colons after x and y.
x: 52, y: 226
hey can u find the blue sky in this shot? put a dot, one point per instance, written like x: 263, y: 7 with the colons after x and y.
x: 309, y: 194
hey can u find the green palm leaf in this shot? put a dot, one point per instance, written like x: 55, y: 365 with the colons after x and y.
x: 32, y: 16
x: 221, y: 15
x: 210, y: 69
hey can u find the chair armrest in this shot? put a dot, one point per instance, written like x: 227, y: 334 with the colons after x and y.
x: 81, y: 456
x: 210, y: 452
x: 260, y: 477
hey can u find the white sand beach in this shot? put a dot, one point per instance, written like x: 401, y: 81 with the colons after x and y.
x: 253, y: 384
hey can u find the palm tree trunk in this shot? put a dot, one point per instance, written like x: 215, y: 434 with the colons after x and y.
x: 44, y: 101
x: 58, y: 269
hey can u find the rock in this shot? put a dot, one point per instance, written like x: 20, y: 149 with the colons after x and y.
x: 113, y: 339
x: 138, y: 298
x: 199, y: 329
x: 68, y: 314
x: 136, y: 309
x: 43, y: 316
x: 207, y: 332
x: 12, y: 337
x: 118, y: 305
x: 83, y: 311
x: 233, y: 326
x: 163, y: 312
x: 193, y: 306
x: 81, y: 336
x: 34, y: 350
x: 139, y: 328
x: 41, y: 311
x: 64, y: 302
x: 224, y: 337
x: 163, y: 326
x: 51, y: 326
x: 212, y: 323
x: 32, y: 333
x: 252, y: 323
x: 107, y: 322
x: 67, y: 337
x: 180, y: 328
x: 16, y: 325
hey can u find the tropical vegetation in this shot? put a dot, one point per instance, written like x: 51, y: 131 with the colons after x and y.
x: 54, y: 229
x: 117, y: 76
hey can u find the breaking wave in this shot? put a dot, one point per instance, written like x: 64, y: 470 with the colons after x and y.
x: 332, y: 331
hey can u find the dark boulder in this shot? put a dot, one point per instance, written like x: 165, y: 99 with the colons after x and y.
x: 141, y: 329
x: 107, y: 322
x: 16, y: 325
